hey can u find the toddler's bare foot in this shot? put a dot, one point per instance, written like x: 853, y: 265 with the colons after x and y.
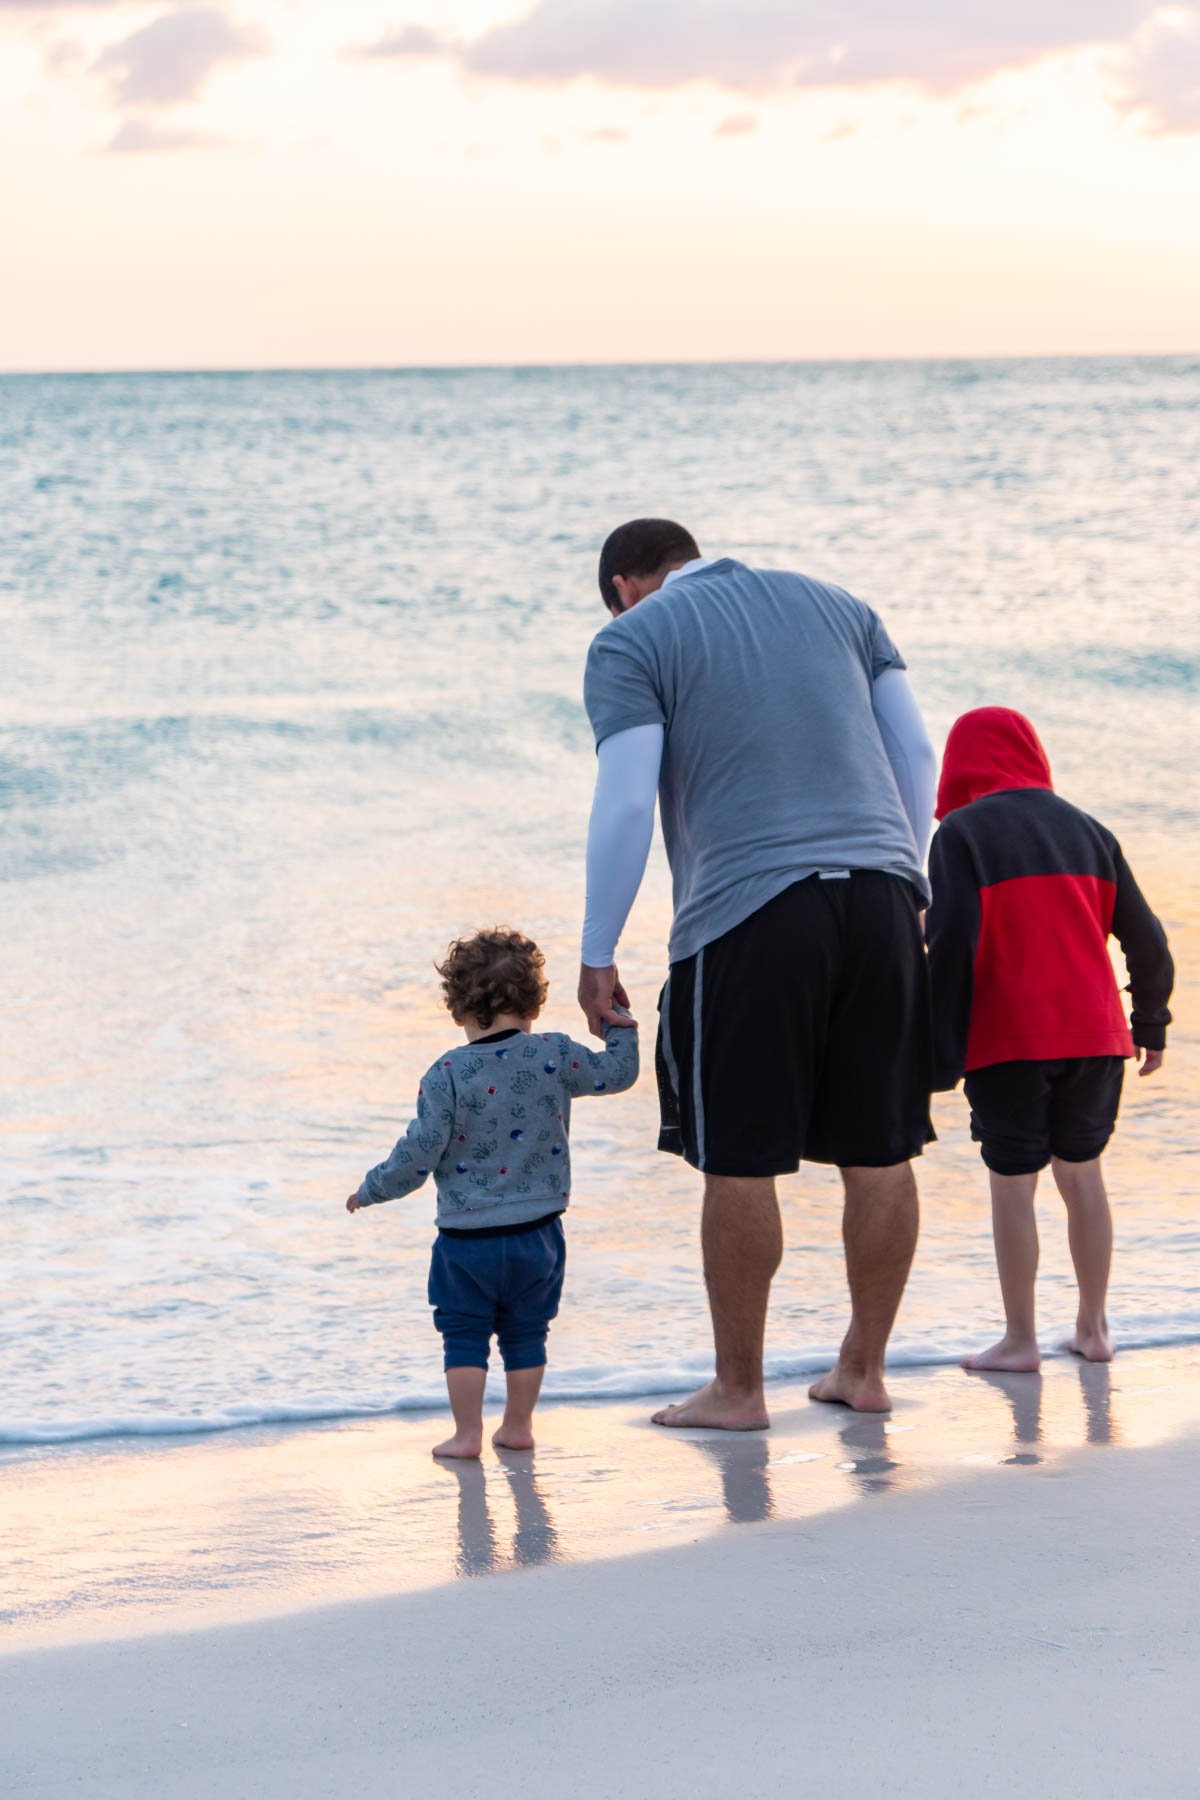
x: 1013, y: 1356
x: 1093, y: 1346
x: 710, y: 1408
x: 513, y: 1435
x: 853, y: 1388
x: 463, y: 1444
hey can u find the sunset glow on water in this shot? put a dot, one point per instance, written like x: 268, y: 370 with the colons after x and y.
x: 292, y: 695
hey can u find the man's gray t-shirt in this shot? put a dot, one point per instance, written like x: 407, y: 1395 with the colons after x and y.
x: 773, y: 764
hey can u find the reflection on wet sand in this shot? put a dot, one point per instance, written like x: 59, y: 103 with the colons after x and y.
x: 476, y: 1533
x: 865, y: 1436
x: 105, y: 1542
x: 1024, y: 1396
x: 1095, y: 1380
x: 535, y: 1539
x: 743, y: 1463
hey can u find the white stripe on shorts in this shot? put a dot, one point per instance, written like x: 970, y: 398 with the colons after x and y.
x: 697, y: 1093
x: 668, y: 1047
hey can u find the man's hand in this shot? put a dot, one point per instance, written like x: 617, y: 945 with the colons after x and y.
x: 353, y: 1203
x: 1149, y: 1059
x: 600, y: 994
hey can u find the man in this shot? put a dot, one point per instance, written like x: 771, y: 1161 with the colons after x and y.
x: 772, y: 716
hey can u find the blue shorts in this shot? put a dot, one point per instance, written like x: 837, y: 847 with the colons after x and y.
x: 507, y: 1283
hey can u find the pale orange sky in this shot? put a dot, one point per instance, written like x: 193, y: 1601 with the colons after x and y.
x: 295, y: 182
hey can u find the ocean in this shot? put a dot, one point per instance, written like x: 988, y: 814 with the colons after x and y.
x: 290, y: 696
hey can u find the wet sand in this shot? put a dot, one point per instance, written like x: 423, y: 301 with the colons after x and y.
x: 995, y: 1590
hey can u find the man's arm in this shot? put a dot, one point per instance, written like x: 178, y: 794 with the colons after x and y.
x: 909, y: 750
x: 619, y: 835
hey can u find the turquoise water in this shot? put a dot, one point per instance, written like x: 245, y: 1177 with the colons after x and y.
x: 290, y: 695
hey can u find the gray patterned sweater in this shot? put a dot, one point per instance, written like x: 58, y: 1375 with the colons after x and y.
x: 492, y: 1125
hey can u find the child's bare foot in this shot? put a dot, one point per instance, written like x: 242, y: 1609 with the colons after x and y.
x: 1094, y: 1345
x: 1012, y: 1356
x: 462, y: 1444
x: 513, y: 1435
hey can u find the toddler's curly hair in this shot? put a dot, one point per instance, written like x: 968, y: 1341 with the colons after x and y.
x: 496, y: 971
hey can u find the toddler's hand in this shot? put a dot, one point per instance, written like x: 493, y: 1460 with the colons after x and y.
x: 353, y: 1203
x: 1149, y: 1059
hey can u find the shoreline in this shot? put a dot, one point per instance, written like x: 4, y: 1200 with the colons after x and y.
x: 19, y: 1438
x: 888, y: 1646
x: 129, y: 1539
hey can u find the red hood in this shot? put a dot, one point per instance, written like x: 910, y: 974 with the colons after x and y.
x: 987, y: 751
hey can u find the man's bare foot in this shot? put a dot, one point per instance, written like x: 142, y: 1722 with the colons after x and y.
x: 512, y: 1437
x: 1093, y: 1346
x: 711, y: 1409
x: 464, y: 1444
x: 852, y: 1388
x: 1012, y: 1356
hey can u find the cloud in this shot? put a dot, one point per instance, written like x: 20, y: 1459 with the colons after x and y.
x: 736, y: 125
x: 760, y: 45
x: 607, y: 134
x: 170, y: 59
x: 1160, y: 71
x: 65, y: 56
x: 144, y: 134
x: 409, y: 40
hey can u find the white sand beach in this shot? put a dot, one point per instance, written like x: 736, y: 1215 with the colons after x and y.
x: 994, y: 1591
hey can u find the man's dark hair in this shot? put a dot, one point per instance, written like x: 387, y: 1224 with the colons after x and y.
x: 641, y: 548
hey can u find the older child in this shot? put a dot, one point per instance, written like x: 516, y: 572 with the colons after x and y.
x: 1026, y: 890
x: 492, y: 1123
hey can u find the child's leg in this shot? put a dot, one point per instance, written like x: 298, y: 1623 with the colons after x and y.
x: 515, y: 1430
x: 1014, y: 1229
x: 464, y: 1312
x: 1089, y: 1232
x: 465, y: 1387
x: 536, y: 1263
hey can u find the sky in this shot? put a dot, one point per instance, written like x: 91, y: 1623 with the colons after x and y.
x: 285, y: 183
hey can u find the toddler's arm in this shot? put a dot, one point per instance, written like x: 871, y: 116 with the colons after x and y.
x: 607, y: 1071
x: 420, y: 1149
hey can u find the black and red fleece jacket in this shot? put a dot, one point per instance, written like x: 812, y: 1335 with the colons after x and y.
x: 1026, y: 891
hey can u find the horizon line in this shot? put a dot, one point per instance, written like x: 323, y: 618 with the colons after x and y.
x: 566, y: 364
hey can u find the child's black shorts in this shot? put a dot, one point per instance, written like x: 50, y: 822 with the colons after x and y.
x: 1023, y: 1113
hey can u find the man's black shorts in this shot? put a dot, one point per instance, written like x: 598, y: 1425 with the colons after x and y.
x: 803, y: 1034
x: 1023, y: 1113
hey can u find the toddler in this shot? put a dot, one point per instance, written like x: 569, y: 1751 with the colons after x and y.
x: 492, y: 1124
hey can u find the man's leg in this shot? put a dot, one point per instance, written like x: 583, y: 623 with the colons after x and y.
x: 742, y: 1239
x: 879, y: 1229
x: 1015, y: 1234
x: 1089, y: 1231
